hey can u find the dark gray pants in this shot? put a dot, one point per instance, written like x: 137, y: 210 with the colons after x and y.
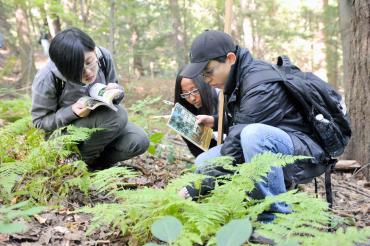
x: 120, y: 140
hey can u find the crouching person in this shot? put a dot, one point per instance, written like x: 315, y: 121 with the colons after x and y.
x: 76, y: 64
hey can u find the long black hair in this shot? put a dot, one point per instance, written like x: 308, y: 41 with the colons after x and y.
x: 67, y: 51
x: 207, y: 94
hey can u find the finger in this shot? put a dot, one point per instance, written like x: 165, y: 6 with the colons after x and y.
x: 112, y: 86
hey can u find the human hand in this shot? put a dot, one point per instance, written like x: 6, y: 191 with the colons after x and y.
x: 80, y: 109
x: 205, y: 120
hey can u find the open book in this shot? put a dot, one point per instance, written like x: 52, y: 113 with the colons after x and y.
x: 184, y: 122
x: 99, y: 96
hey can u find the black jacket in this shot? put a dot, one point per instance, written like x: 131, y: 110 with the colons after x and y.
x: 270, y: 104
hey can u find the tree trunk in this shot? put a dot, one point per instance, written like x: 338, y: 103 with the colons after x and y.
x: 345, y: 13
x: 358, y: 84
x: 112, y: 26
x: 28, y: 68
x: 178, y: 35
x: 52, y: 20
x: 5, y: 27
x: 137, y: 58
x: 185, y: 31
x: 330, y: 34
x: 85, y: 10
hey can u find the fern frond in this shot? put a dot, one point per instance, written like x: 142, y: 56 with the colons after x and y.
x: 351, y: 236
x: 310, y: 216
x: 10, y: 214
x: 205, y: 217
x: 15, y: 109
x: 111, y: 179
x: 184, y: 180
x: 106, y: 215
x: 10, y: 174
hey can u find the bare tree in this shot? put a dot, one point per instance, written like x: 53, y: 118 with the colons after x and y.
x: 112, y: 26
x: 331, y: 43
x: 355, y: 29
x: 178, y: 34
x: 26, y: 57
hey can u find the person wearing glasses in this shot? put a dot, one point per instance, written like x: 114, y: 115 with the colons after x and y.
x: 74, y: 65
x: 200, y: 99
x: 261, y: 117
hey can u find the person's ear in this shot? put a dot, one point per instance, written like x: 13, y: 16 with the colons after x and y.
x: 231, y: 57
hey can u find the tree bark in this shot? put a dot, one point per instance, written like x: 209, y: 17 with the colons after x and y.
x: 178, y: 34
x: 85, y: 11
x: 357, y: 58
x: 53, y: 21
x: 345, y: 13
x: 137, y: 58
x: 112, y: 26
x: 330, y: 34
x: 28, y: 68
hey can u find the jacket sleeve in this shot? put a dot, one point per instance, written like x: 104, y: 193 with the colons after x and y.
x: 44, y: 110
x: 258, y: 105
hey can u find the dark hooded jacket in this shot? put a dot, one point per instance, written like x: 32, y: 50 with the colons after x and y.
x: 248, y: 101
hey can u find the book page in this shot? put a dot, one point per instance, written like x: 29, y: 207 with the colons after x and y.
x: 92, y: 104
x: 184, y: 122
x: 98, y: 92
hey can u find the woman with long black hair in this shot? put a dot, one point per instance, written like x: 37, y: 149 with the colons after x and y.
x: 75, y: 64
x: 197, y: 97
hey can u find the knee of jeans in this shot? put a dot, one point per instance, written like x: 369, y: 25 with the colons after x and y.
x: 199, y: 162
x: 252, y: 131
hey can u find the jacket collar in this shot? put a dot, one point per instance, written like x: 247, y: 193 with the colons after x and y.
x: 243, y: 62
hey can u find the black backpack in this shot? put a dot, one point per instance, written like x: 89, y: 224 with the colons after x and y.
x: 321, y: 106
x: 60, y: 84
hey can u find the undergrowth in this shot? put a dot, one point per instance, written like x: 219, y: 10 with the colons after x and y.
x: 35, y: 170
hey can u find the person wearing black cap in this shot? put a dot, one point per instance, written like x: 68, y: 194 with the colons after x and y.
x: 259, y: 117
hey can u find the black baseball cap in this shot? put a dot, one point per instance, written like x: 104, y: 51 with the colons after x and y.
x: 206, y: 46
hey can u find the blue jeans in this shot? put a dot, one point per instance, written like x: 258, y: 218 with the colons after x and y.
x: 258, y: 138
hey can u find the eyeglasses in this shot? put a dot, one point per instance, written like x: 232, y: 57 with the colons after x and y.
x: 208, y: 73
x: 193, y: 93
x: 91, y: 66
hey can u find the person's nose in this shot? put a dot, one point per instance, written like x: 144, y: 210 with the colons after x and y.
x: 192, y: 98
x: 87, y: 71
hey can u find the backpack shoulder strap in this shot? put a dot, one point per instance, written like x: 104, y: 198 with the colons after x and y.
x: 59, y: 85
x: 102, y: 61
x: 257, y: 78
x: 283, y: 61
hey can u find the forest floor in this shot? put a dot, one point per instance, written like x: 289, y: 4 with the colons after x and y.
x: 351, y: 195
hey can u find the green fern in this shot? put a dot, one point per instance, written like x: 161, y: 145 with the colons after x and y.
x: 15, y: 109
x: 111, y: 179
x: 18, y: 139
x: 202, y: 219
x: 310, y: 216
x: 10, y: 214
x: 37, y: 172
x: 351, y: 236
x: 141, y: 113
x: 307, y: 224
x: 105, y: 215
x: 33, y: 169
